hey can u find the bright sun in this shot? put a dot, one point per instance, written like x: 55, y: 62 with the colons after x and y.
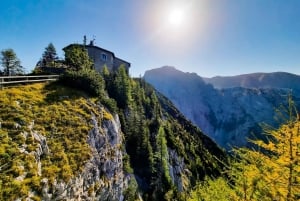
x: 176, y: 17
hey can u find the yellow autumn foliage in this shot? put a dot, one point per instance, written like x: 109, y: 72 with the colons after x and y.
x: 270, y: 172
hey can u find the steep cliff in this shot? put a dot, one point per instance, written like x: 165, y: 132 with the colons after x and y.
x: 58, y: 145
x: 229, y: 116
x: 61, y: 143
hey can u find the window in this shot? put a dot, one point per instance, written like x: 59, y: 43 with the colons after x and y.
x: 103, y: 57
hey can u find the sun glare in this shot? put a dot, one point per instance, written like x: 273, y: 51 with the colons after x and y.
x: 175, y: 26
x: 176, y: 17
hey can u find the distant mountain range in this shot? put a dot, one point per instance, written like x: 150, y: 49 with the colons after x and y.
x: 257, y: 80
x: 228, y: 109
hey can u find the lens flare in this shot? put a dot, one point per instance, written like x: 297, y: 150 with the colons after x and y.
x: 176, y: 17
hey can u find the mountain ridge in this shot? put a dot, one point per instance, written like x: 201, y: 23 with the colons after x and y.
x: 257, y: 80
x: 111, y: 138
x: 227, y: 115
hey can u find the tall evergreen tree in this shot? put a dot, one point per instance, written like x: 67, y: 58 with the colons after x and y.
x: 10, y: 63
x: 107, y: 77
x: 49, y: 56
x: 162, y: 157
x: 77, y: 58
x: 123, y: 90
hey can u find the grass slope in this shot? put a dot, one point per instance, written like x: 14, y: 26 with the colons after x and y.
x: 60, y: 114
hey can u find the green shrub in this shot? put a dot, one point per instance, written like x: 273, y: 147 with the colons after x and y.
x: 89, y: 81
x: 110, y: 104
x: 131, y: 193
x: 126, y: 164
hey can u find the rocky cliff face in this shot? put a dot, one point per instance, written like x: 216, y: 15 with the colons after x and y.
x: 229, y: 116
x: 57, y: 143
x: 178, y: 171
x: 102, y: 177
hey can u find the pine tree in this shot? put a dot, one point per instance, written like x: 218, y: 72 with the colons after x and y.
x: 77, y: 58
x: 123, y: 91
x: 162, y: 158
x: 156, y: 113
x: 10, y: 63
x: 105, y: 72
x: 49, y: 56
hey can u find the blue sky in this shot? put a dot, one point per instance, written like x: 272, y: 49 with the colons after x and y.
x: 215, y: 37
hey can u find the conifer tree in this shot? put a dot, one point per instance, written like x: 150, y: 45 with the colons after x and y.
x: 162, y: 158
x: 270, y: 172
x: 155, y: 106
x: 77, y: 58
x: 49, y: 56
x: 105, y: 72
x: 213, y: 190
x: 283, y: 158
x: 10, y: 63
x: 123, y: 88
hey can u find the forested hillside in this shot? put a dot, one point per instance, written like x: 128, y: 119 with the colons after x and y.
x: 271, y: 171
x: 229, y: 116
x: 99, y: 136
x: 267, y: 170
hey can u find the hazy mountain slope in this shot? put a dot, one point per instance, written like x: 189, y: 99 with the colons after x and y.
x: 59, y: 143
x: 228, y: 116
x: 257, y: 80
x: 189, y: 93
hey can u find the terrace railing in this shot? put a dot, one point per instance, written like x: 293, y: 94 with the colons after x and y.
x: 13, y: 80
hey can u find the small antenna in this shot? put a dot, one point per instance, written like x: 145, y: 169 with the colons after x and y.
x: 92, y: 42
x: 84, y: 40
x: 94, y: 39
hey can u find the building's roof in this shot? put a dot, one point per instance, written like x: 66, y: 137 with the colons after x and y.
x: 123, y: 61
x: 99, y: 48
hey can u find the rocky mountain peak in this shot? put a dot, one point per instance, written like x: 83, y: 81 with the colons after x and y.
x: 282, y: 80
x: 228, y: 109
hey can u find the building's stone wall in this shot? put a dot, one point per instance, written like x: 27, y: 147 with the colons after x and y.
x: 100, y: 58
x: 118, y: 62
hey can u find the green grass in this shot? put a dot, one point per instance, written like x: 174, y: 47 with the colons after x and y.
x: 59, y: 113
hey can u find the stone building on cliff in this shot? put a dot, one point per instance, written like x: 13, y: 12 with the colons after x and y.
x: 102, y: 57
